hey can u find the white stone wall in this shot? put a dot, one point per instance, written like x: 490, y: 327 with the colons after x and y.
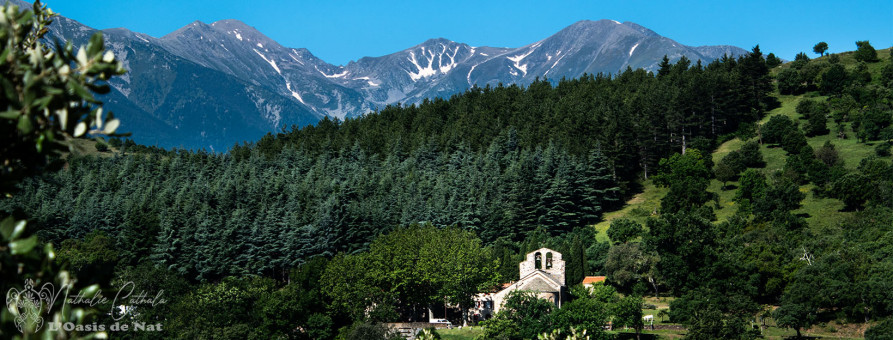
x: 527, y: 267
x: 557, y: 270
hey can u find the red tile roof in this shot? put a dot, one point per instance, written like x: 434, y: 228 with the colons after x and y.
x: 593, y: 279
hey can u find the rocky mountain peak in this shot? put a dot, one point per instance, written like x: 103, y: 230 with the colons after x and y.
x: 226, y: 82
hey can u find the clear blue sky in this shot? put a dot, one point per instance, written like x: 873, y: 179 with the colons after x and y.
x: 340, y: 30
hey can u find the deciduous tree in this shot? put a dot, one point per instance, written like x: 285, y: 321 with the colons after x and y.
x: 865, y: 52
x: 623, y: 230
x: 820, y: 48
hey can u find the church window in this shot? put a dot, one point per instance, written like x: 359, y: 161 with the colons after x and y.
x: 537, y: 261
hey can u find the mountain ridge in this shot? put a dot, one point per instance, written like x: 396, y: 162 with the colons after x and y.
x: 268, y: 87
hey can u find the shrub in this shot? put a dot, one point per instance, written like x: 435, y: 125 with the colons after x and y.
x: 582, y: 314
x: 751, y: 155
x: 793, y: 142
x: 834, y: 59
x: 881, y: 331
x: 861, y: 74
x: 371, y: 331
x: 834, y: 80
x: 882, y: 149
x: 806, y: 107
x: 853, y: 189
x: 428, y: 334
x: 624, y: 230
x: 817, y: 124
x: 776, y: 128
x: 789, y: 81
x: 746, y: 130
x: 523, y: 316
x: 828, y: 155
x: 865, y: 52
x: 724, y: 173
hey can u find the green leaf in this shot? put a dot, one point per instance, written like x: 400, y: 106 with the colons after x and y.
x: 91, y: 291
x: 6, y: 227
x: 23, y: 246
x: 25, y: 125
x: 42, y: 102
x: 80, y: 90
x: 48, y: 249
x: 18, y: 229
x: 9, y: 90
x: 39, y: 143
x: 11, y: 114
x: 29, y: 97
x: 95, y: 45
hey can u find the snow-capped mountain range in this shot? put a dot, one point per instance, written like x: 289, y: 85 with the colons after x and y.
x: 214, y: 85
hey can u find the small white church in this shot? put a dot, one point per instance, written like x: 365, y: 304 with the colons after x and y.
x: 542, y: 272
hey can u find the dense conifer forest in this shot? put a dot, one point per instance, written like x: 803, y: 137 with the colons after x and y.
x: 497, y: 161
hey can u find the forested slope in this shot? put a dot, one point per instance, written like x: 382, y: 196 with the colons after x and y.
x: 520, y: 168
x: 802, y: 203
x: 499, y: 161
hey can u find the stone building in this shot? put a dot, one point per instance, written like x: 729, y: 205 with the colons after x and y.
x: 542, y: 272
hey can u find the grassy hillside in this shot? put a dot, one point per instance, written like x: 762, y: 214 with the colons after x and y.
x: 84, y: 146
x: 819, y: 212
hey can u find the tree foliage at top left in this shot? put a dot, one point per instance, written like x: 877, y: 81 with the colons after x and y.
x: 46, y: 99
x: 47, y: 93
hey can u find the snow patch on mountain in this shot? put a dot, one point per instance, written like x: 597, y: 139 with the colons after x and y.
x: 293, y: 57
x: 293, y: 93
x: 269, y: 61
x: 517, y: 59
x: 446, y: 68
x: 368, y: 81
x: 426, y: 71
x: 553, y: 65
x: 633, y: 49
x: 336, y: 75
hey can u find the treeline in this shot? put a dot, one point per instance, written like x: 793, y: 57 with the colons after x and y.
x: 635, y: 118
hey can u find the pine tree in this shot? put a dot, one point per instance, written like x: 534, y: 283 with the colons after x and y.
x: 599, y: 190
